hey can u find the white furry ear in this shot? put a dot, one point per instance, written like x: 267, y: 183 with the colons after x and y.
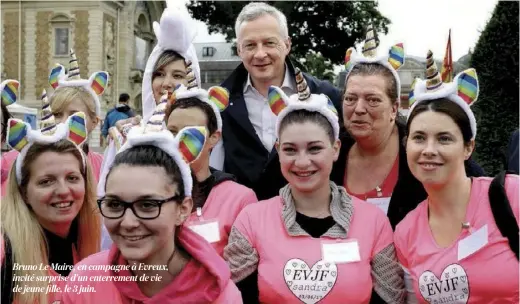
x: 176, y: 30
x: 156, y: 29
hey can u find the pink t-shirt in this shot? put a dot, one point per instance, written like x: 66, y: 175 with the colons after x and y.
x: 487, y: 276
x: 204, y: 279
x: 291, y: 269
x: 95, y: 159
x: 224, y: 203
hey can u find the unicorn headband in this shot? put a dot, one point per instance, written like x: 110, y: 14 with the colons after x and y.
x: 95, y: 85
x: 281, y: 104
x: 463, y: 90
x: 392, y: 61
x: 216, y: 97
x: 21, y: 137
x: 184, y: 148
x: 175, y: 31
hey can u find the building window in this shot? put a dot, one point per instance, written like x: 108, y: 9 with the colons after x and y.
x: 215, y: 76
x: 61, y: 41
x: 208, y: 51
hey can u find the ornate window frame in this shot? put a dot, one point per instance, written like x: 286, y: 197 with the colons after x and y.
x: 61, y: 21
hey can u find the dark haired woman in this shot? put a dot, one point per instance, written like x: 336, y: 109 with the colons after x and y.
x: 305, y: 244
x: 145, y: 221
x: 450, y: 246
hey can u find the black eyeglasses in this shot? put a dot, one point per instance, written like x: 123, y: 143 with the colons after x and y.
x: 146, y: 209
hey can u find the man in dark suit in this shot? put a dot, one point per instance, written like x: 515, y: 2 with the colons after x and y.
x: 248, y: 133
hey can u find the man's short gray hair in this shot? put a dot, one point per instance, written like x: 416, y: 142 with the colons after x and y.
x: 255, y: 10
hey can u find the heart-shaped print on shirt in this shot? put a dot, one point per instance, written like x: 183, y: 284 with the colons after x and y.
x: 451, y: 288
x: 310, y: 285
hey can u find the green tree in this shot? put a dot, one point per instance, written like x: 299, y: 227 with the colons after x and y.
x: 496, y: 60
x: 318, y: 66
x: 328, y: 27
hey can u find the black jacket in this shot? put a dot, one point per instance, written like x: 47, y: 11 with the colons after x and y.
x: 408, y: 191
x: 512, y: 154
x: 245, y: 155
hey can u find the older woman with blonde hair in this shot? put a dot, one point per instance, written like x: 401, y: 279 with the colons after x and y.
x: 48, y: 219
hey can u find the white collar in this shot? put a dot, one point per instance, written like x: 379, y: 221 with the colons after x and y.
x: 288, y: 81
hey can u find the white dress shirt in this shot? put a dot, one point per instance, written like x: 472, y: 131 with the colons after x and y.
x: 259, y: 112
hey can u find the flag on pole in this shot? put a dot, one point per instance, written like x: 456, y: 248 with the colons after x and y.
x: 447, y: 65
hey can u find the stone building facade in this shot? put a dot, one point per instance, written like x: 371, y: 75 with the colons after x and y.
x: 217, y: 61
x: 112, y: 36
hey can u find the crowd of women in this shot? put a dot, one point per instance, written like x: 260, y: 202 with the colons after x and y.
x: 152, y: 222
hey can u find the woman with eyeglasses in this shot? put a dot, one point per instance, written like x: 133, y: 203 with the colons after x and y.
x: 154, y: 258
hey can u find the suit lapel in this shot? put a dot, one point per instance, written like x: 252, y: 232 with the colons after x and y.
x: 238, y: 110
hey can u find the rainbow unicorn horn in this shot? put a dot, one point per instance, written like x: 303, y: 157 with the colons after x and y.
x: 303, y: 89
x: 369, y: 49
x: 192, y: 80
x: 433, y: 77
x: 47, y: 123
x: 155, y: 123
x: 74, y: 67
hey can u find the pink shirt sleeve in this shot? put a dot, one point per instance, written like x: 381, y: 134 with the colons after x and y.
x: 244, y: 226
x: 400, y: 243
x: 96, y: 160
x: 384, y: 234
x: 249, y: 198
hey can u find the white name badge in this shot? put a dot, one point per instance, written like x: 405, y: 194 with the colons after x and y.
x: 381, y: 202
x: 472, y: 243
x: 209, y: 230
x: 343, y: 252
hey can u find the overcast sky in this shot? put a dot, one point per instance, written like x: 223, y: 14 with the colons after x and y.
x: 419, y: 24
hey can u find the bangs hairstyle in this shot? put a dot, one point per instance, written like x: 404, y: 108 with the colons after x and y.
x: 29, y: 245
x: 192, y: 102
x: 63, y: 96
x: 375, y: 69
x: 447, y: 107
x: 150, y: 156
x: 303, y: 116
x: 165, y: 59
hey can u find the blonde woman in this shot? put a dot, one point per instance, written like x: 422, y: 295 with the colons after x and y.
x: 48, y: 216
x: 73, y: 94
